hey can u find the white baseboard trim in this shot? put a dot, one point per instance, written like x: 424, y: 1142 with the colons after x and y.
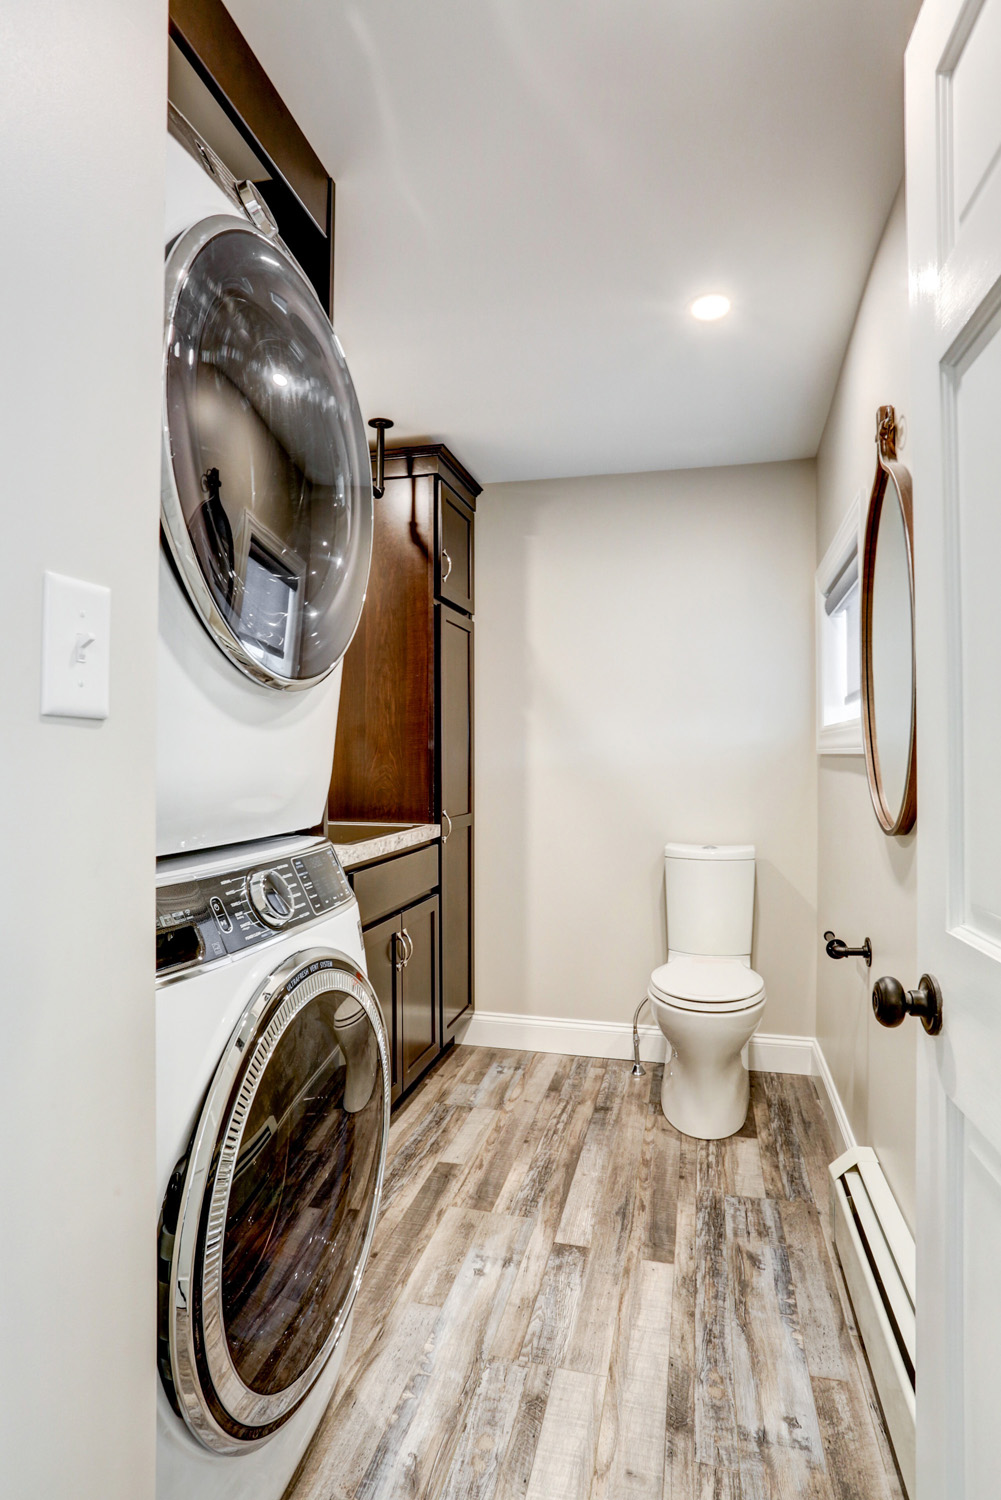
x: 837, y: 1116
x: 770, y: 1053
x: 773, y: 1053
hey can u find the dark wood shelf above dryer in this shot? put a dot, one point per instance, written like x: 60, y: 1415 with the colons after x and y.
x: 219, y: 85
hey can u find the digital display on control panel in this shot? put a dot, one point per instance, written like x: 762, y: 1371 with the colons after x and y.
x: 323, y: 881
x: 200, y: 921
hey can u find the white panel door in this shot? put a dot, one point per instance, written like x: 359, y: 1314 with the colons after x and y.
x: 954, y: 236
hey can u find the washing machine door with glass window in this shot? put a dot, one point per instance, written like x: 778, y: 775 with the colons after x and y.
x: 267, y: 490
x: 268, y: 1219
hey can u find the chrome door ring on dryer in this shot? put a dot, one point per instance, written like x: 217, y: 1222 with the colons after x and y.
x: 266, y: 485
x: 268, y: 1220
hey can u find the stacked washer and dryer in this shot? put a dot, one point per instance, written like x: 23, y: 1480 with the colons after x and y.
x: 272, y: 1058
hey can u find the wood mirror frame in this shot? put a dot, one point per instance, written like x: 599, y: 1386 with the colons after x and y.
x: 890, y: 472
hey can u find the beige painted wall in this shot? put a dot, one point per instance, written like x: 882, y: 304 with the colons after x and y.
x: 644, y: 661
x: 866, y: 881
x: 83, y: 97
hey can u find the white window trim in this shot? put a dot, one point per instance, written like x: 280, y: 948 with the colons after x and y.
x: 846, y: 738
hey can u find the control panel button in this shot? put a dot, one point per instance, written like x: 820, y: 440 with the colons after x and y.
x: 271, y: 898
x: 306, y: 881
x: 221, y: 915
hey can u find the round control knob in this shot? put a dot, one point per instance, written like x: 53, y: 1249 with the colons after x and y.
x: 271, y: 898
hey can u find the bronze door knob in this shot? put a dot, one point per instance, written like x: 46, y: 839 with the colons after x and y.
x: 892, y: 1004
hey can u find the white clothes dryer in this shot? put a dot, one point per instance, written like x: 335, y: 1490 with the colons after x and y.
x: 273, y: 1082
x: 266, y: 519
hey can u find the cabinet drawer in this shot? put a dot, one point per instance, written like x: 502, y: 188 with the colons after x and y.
x: 395, y: 883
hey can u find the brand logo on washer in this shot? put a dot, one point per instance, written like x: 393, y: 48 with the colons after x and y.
x: 304, y: 973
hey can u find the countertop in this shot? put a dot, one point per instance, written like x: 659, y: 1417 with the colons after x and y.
x: 356, y: 846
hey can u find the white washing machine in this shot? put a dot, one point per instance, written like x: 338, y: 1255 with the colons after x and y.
x: 266, y: 518
x: 273, y: 1082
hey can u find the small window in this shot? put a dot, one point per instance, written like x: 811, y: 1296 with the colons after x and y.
x: 839, y: 647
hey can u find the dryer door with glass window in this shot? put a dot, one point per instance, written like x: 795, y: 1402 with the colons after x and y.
x: 267, y: 491
x: 268, y: 1219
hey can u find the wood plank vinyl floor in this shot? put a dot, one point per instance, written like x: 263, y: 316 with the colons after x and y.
x: 568, y: 1300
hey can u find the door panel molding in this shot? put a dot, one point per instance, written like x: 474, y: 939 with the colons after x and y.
x: 953, y: 132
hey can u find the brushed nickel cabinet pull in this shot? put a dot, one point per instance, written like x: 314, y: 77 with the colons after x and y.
x: 445, y: 572
x: 446, y: 819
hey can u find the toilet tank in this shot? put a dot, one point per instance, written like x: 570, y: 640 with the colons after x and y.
x: 710, y: 899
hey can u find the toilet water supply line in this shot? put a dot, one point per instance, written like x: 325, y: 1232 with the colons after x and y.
x: 638, y: 1068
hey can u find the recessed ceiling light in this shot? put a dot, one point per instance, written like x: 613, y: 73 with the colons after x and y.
x: 708, y: 309
x: 280, y: 379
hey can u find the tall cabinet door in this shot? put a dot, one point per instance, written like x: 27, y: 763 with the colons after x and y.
x: 455, y: 761
x: 455, y: 549
x: 383, y: 951
x: 455, y: 715
x: 457, y: 923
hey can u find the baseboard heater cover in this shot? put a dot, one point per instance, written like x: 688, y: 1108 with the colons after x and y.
x: 876, y: 1250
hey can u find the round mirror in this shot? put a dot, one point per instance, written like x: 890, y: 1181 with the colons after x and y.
x: 888, y: 694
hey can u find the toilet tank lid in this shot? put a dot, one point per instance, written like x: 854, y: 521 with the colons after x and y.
x: 709, y: 851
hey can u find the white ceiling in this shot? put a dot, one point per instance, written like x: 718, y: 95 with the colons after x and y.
x: 530, y: 193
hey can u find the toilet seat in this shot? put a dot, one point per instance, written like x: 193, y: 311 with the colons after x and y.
x: 707, y: 984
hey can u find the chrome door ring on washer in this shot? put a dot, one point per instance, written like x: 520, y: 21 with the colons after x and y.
x: 234, y: 1382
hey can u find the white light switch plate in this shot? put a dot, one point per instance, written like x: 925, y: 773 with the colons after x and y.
x: 76, y: 628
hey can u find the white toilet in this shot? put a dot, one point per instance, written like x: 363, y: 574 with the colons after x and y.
x: 707, y: 998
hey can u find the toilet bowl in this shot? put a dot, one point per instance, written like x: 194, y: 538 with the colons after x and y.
x: 707, y: 999
x: 706, y: 1088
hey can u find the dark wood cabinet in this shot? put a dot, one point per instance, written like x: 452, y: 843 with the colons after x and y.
x: 402, y: 954
x: 405, y: 727
x: 400, y: 913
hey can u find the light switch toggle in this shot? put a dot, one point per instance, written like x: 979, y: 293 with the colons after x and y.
x: 76, y: 635
x: 83, y: 640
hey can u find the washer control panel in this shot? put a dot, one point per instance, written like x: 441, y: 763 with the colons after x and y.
x: 200, y: 921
